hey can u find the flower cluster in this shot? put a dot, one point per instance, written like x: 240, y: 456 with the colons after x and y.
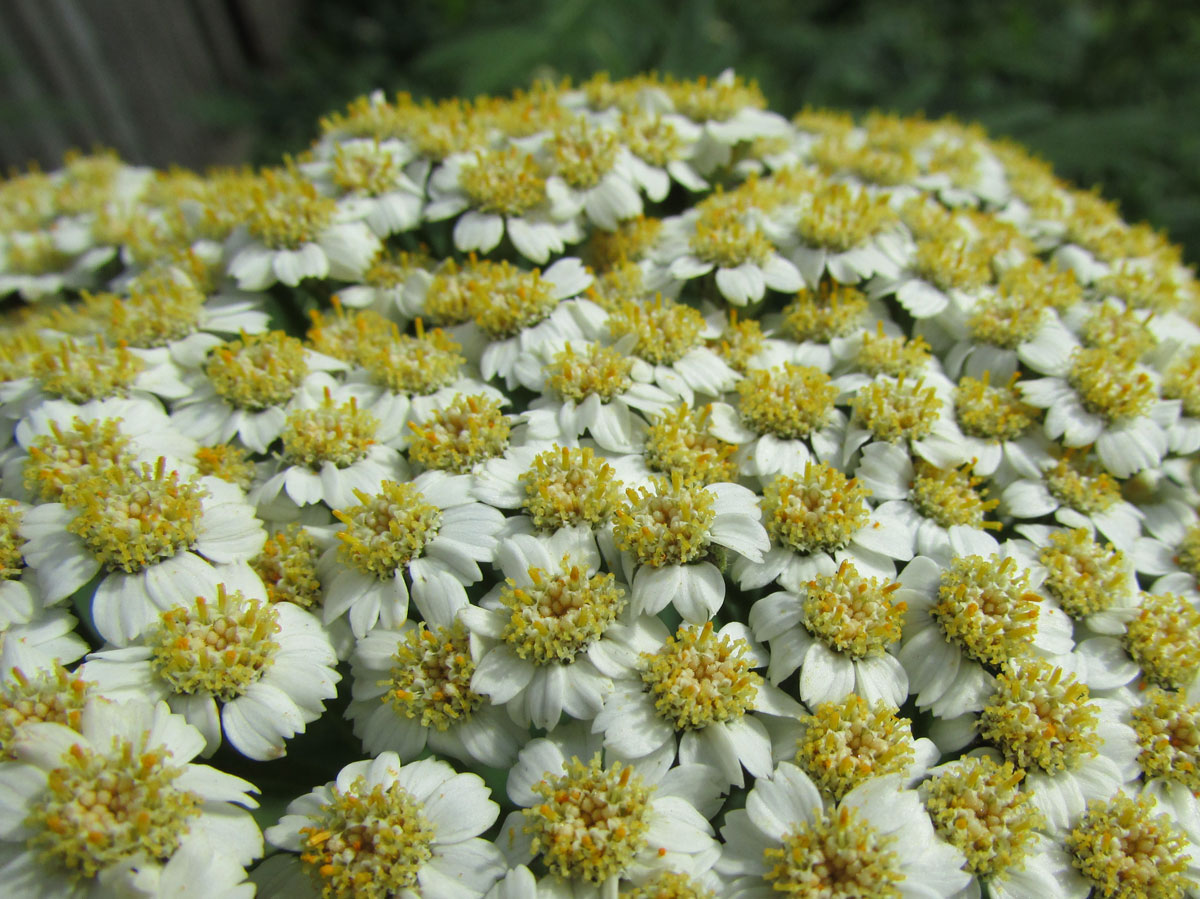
x: 716, y: 504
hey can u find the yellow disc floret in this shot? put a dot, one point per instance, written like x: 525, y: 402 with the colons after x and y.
x: 98, y: 810
x: 668, y: 525
x: 163, y: 306
x: 285, y: 211
x: 833, y: 310
x: 853, y: 614
x: 598, y: 371
x: 130, y: 519
x: 219, y: 647
x: 851, y: 741
x: 504, y: 300
x: 228, y: 462
x: 79, y: 372
x: 404, y: 363
x: 430, y: 678
x: 503, y: 182
x: 367, y: 845
x: 979, y: 808
x: 1168, y: 733
x: 839, y: 856
x: 699, y: 677
x: 950, y: 496
x: 287, y: 566
x: 840, y: 216
x: 336, y: 434
x: 568, y: 486
x: 258, y: 371
x: 582, y: 155
x: 791, y: 401
x: 1127, y: 852
x: 880, y: 354
x: 819, y: 511
x: 678, y: 442
x: 985, y: 607
x: 1182, y: 381
x: 559, y: 614
x: 1040, y: 718
x: 1080, y: 484
x: 592, y: 820
x: 1164, y: 639
x: 387, y: 530
x: 63, y: 457
x: 12, y: 563
x: 470, y: 430
x: 53, y: 695
x: 1084, y: 576
x: 895, y: 409
x: 725, y: 238
x: 664, y: 330
x: 992, y: 413
x: 1109, y: 385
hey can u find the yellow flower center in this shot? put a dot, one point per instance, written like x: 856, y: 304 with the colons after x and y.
x: 667, y: 885
x: 12, y: 562
x: 388, y: 530
x: 668, y: 526
x: 834, y: 310
x: 1084, y: 576
x: 837, y: 857
x: 1125, y: 852
x: 699, y: 677
x: 79, y: 372
x: 992, y: 413
x: 219, y: 647
x: 985, y: 607
x: 740, y: 342
x: 950, y: 496
x: 504, y: 300
x: 288, y: 567
x: 665, y: 330
x: 702, y: 100
x: 1141, y: 288
x: 880, y: 354
x: 599, y: 370
x: 842, y: 217
x: 257, y: 372
x: 285, y: 211
x: 1188, y: 554
x: 678, y: 442
x: 61, y: 458
x: 1040, y: 718
x: 130, y: 520
x: 820, y: 511
x: 1164, y: 640
x: 56, y: 696
x: 950, y: 262
x: 853, y: 614
x: 367, y: 845
x: 163, y: 306
x: 366, y: 169
x: 583, y: 155
x: 470, y: 430
x: 652, y: 139
x: 503, y: 182
x: 979, y: 808
x: 1121, y: 332
x: 725, y: 239
x: 1182, y: 381
x: 565, y: 487
x: 791, y: 401
x: 403, y: 363
x: 100, y: 810
x: 227, y: 462
x: 1109, y: 385
x: 895, y: 409
x: 339, y: 434
x: 1168, y: 733
x: 592, y: 821
x: 1080, y: 484
x: 851, y: 741
x: 1008, y: 319
x: 430, y: 678
x: 560, y: 614
x: 1057, y: 288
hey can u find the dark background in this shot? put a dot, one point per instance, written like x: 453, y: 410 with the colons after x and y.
x: 1107, y: 90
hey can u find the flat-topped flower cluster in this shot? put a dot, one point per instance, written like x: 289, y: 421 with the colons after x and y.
x: 683, y: 500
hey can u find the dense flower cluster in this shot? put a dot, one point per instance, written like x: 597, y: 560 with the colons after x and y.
x: 685, y: 501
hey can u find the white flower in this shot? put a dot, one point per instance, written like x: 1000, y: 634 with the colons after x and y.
x: 591, y: 173
x: 877, y: 839
x: 228, y: 661
x: 120, y: 839
x: 155, y: 541
x: 405, y: 829
x: 667, y: 535
x: 838, y: 630
x: 595, y: 824
x: 969, y: 617
x: 369, y: 180
x: 427, y: 532
x: 714, y: 720
x: 916, y: 413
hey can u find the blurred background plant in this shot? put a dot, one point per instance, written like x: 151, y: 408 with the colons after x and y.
x: 1104, y: 89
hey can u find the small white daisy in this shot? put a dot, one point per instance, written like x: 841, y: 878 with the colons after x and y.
x: 116, y: 838
x: 231, y: 662
x: 427, y: 532
x: 877, y: 840
x: 369, y: 181
x: 386, y: 829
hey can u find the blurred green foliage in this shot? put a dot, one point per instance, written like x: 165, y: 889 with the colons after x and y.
x: 1107, y: 90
